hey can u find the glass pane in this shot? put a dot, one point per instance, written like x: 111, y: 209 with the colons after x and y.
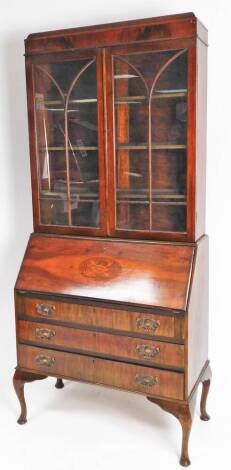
x: 54, y: 211
x: 67, y: 142
x: 135, y: 212
x: 131, y: 121
x: 169, y: 218
x: 150, y: 100
x: 83, y: 153
x: 169, y: 131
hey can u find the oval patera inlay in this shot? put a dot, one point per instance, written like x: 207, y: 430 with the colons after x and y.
x: 100, y: 268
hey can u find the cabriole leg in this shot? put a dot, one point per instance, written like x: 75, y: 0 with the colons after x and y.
x: 19, y: 380
x: 185, y: 419
x: 184, y: 413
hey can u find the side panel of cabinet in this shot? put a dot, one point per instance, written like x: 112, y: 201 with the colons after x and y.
x: 66, y: 130
x: 198, y: 315
x: 201, y: 127
x: 151, y: 139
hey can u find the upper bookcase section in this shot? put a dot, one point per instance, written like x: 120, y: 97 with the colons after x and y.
x: 126, y: 32
x: 117, y: 127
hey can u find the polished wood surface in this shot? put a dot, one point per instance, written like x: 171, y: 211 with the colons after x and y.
x: 184, y: 413
x: 131, y: 377
x: 119, y: 297
x: 137, y: 273
x: 197, y: 318
x: 19, y: 380
x: 206, y: 380
x: 176, y: 32
x: 149, y: 29
x: 129, y: 321
x: 96, y: 343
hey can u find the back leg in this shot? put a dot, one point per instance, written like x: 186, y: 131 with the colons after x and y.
x: 59, y: 383
x: 206, y: 380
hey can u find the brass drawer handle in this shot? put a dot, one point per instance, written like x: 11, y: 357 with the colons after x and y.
x: 147, y: 351
x: 46, y: 361
x: 45, y: 309
x: 146, y: 380
x: 147, y: 324
x: 44, y: 333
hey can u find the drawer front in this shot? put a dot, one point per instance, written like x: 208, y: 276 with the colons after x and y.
x: 145, y: 380
x: 147, y: 351
x: 101, y: 317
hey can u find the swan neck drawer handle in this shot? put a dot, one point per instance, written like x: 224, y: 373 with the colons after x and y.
x: 146, y: 380
x: 44, y: 333
x: 45, y: 310
x: 147, y: 324
x: 147, y: 351
x: 46, y: 361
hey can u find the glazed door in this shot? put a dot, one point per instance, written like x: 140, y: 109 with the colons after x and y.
x: 69, y: 178
x: 148, y: 92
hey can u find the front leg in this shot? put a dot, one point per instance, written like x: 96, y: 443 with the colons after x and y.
x: 184, y: 413
x: 19, y: 380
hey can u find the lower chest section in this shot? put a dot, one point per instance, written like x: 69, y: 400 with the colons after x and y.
x: 139, y: 351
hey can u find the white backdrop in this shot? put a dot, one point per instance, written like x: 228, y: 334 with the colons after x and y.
x: 87, y: 426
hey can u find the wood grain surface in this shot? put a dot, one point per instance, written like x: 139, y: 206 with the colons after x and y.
x: 146, y: 351
x: 101, y: 317
x: 102, y: 371
x: 136, y: 273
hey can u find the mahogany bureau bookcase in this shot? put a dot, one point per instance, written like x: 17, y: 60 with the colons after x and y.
x: 113, y: 288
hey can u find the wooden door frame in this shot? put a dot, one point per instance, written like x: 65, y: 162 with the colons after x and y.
x: 190, y: 45
x: 60, y: 57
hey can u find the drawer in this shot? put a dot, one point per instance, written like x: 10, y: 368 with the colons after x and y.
x: 145, y: 380
x: 120, y: 346
x: 100, y: 317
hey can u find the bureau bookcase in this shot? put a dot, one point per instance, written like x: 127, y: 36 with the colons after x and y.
x: 113, y: 287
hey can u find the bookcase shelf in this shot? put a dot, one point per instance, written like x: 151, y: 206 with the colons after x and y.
x: 164, y: 146
x: 142, y: 98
